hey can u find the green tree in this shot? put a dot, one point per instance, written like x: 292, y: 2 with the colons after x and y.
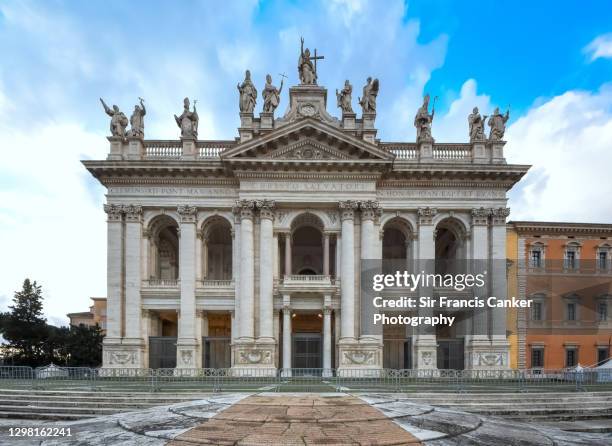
x: 85, y: 346
x: 24, y: 327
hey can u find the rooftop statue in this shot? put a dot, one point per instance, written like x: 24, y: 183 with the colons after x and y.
x: 248, y: 94
x: 477, y: 122
x: 370, y: 92
x: 188, y: 121
x: 344, y: 97
x: 497, y: 122
x: 118, y: 122
x: 137, y: 120
x: 423, y: 120
x: 271, y: 95
x: 306, y: 69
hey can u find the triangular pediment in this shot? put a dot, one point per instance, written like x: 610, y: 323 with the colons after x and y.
x: 307, y: 139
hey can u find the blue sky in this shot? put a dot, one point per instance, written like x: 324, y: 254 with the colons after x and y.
x: 551, y: 61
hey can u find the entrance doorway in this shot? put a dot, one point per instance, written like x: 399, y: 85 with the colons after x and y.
x: 162, y: 352
x: 216, y: 353
x: 307, y: 351
x: 450, y: 354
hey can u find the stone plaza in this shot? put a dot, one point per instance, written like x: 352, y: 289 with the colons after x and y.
x: 246, y: 253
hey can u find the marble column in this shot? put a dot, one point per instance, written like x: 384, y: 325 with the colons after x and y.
x: 326, y: 254
x: 133, y: 269
x: 480, y: 254
x: 327, y: 340
x: 200, y: 275
x: 370, y: 254
x: 266, y: 269
x: 286, y: 334
x: 288, y: 254
x: 114, y: 276
x: 236, y: 264
x: 187, y: 344
x: 233, y: 336
x: 499, y: 286
x: 347, y: 288
x: 425, y: 346
x: 247, y: 284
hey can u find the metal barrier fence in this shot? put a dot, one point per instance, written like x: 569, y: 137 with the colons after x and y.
x: 302, y: 380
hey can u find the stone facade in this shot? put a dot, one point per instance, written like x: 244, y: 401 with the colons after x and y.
x: 268, y: 230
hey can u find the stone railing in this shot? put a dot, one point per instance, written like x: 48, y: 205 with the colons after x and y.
x: 307, y: 278
x: 163, y: 149
x: 402, y: 151
x: 161, y: 283
x: 482, y: 152
x: 217, y: 283
x: 452, y: 152
x: 213, y: 149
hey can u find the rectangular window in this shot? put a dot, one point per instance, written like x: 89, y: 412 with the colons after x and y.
x: 571, y: 312
x: 603, y: 353
x: 537, y: 358
x: 602, y: 262
x: 536, y: 258
x: 536, y: 311
x: 602, y: 311
x: 571, y: 357
x: 570, y: 260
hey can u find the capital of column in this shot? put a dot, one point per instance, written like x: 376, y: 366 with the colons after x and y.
x: 114, y: 211
x: 327, y: 311
x: 480, y: 216
x: 145, y: 313
x: 200, y: 234
x: 245, y: 209
x: 187, y: 213
x: 426, y: 215
x: 133, y: 213
x: 347, y: 209
x: 499, y: 215
x: 266, y: 209
x: 286, y: 309
x: 370, y: 210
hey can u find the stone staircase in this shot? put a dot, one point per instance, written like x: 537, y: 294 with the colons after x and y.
x: 561, y: 406
x: 76, y: 405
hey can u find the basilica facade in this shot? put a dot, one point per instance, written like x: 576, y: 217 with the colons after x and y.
x: 247, y: 253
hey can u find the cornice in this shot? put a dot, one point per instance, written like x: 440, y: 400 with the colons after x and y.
x: 159, y: 180
x: 306, y: 175
x: 434, y: 182
x: 522, y: 227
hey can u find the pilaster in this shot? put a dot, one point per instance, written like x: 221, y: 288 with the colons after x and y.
x: 187, y: 344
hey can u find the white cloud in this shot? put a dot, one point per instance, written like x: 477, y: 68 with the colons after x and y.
x: 51, y: 219
x: 51, y: 228
x: 568, y: 139
x: 600, y: 47
x: 453, y: 125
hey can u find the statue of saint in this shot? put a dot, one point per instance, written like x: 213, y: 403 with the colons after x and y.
x: 477, y: 122
x: 345, y: 97
x: 248, y: 94
x: 118, y: 122
x: 368, y: 101
x: 137, y: 120
x: 188, y: 121
x: 423, y: 120
x: 306, y: 69
x: 497, y: 122
x: 271, y: 95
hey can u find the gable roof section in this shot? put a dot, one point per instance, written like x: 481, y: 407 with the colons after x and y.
x: 307, y: 139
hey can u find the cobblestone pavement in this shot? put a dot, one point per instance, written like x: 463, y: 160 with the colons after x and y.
x: 298, y: 420
x: 306, y: 419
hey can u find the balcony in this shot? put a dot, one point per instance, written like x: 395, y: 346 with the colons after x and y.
x: 306, y: 282
x: 161, y: 283
x: 216, y: 283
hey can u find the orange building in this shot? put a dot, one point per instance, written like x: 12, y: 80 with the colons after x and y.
x: 564, y: 269
x: 95, y: 315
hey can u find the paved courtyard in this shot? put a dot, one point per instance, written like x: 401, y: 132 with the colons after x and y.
x: 307, y: 419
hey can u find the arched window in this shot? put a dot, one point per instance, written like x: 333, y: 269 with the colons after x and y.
x: 164, y: 249
x: 217, y: 249
x: 450, y: 249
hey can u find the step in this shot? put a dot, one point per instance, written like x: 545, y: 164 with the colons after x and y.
x: 110, y: 404
x: 45, y: 416
x: 94, y: 399
x: 52, y: 409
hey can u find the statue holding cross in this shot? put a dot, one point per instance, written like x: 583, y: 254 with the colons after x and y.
x: 306, y: 68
